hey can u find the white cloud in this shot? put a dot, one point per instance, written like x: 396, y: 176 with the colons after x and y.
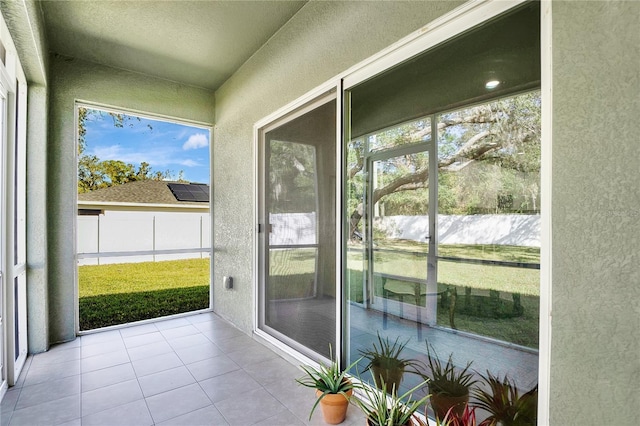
x: 199, y: 140
x: 112, y: 152
x: 189, y: 163
x: 159, y: 157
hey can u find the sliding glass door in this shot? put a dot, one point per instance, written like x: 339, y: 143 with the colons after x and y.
x: 439, y: 167
x: 442, y: 195
x: 297, y: 286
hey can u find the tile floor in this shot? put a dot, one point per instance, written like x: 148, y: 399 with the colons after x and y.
x: 195, y: 370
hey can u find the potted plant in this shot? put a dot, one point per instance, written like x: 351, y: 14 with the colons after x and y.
x: 468, y: 418
x: 505, y: 406
x: 382, y: 409
x: 333, y: 389
x: 448, y: 386
x: 386, y: 364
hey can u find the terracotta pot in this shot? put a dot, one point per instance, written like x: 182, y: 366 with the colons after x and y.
x: 442, y: 403
x: 334, y: 407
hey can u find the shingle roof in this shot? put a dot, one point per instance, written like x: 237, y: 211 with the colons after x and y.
x: 145, y: 191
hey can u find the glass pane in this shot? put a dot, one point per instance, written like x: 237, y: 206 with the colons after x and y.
x: 408, y: 133
x: 400, y: 231
x: 467, y: 298
x: 489, y: 218
x: 300, y: 268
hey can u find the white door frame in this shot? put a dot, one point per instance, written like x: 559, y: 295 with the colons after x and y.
x: 13, y: 261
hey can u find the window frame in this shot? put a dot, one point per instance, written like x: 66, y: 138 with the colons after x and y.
x: 328, y: 92
x: 13, y: 182
x: 81, y: 103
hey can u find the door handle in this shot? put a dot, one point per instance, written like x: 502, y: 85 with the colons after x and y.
x: 268, y: 226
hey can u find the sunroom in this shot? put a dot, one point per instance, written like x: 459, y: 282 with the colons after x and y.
x: 408, y: 173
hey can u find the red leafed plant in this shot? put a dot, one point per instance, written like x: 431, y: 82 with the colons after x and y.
x: 468, y: 418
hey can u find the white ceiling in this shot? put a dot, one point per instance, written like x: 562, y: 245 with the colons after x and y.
x: 199, y: 43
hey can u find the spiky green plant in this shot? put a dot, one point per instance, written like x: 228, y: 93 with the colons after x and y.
x: 386, y: 356
x: 446, y: 379
x: 504, y: 404
x: 382, y: 409
x: 328, y: 379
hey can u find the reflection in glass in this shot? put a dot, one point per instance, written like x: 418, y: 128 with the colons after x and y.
x: 409, y: 133
x: 442, y: 198
x: 488, y: 214
x: 399, y: 204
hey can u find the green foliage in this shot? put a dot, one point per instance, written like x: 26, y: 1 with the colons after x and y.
x: 520, y: 330
x: 292, y: 177
x: 510, y: 163
x: 492, y: 306
x: 382, y: 409
x: 328, y: 379
x: 504, y: 404
x: 446, y: 379
x: 127, y: 292
x: 488, y: 162
x: 407, y: 203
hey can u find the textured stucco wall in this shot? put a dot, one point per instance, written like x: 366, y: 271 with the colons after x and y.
x: 24, y: 19
x: 595, y: 351
x: 77, y: 80
x: 37, y: 282
x: 322, y: 40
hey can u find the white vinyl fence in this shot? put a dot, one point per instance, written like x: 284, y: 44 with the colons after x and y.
x: 138, y: 236
x: 502, y: 229
x: 130, y: 237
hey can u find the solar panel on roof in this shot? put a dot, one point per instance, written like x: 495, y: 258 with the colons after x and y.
x: 202, y: 197
x: 190, y: 192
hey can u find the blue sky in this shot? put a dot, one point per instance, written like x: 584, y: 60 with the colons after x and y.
x: 164, y: 145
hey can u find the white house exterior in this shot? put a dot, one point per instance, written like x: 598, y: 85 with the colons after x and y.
x: 140, y: 222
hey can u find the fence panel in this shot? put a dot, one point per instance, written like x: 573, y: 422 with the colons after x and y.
x: 116, y: 236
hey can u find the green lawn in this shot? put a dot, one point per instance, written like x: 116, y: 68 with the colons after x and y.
x: 121, y: 293
x: 127, y: 292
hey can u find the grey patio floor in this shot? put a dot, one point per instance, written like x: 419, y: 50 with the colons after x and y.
x: 200, y: 370
x: 194, y: 370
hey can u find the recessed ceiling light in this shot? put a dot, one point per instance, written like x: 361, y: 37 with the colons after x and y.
x: 492, y: 84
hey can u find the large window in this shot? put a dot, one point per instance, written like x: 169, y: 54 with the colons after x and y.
x: 442, y: 222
